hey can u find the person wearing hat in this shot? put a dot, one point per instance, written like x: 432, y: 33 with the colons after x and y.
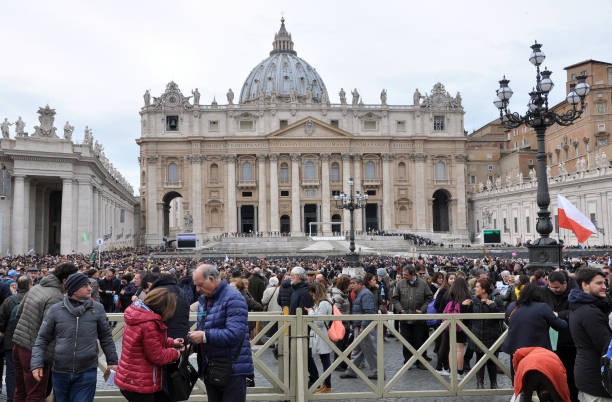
x: 75, y: 324
x: 34, y: 274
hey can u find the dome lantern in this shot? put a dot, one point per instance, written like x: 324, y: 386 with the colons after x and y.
x: 282, y: 41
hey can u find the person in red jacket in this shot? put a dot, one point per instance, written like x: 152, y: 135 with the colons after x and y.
x: 539, y: 370
x: 146, y: 348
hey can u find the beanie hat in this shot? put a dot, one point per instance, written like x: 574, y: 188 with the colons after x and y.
x: 381, y: 272
x: 75, y: 282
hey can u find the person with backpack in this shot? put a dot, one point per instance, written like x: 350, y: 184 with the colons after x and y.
x: 8, y: 321
x: 459, y: 302
x: 319, y: 345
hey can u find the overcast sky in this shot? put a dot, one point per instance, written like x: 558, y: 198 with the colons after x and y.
x: 92, y: 61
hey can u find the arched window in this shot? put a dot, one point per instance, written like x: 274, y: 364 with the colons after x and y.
x: 401, y: 170
x: 309, y: 170
x: 247, y: 171
x: 173, y: 174
x: 335, y: 172
x: 370, y: 172
x: 440, y: 171
x: 284, y: 173
x: 214, y: 173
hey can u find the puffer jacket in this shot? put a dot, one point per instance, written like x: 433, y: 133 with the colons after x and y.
x: 363, y: 304
x: 411, y: 297
x: 76, y: 330
x: 145, y: 350
x: 5, y: 314
x: 340, y: 299
x: 33, y: 308
x: 284, y: 294
x: 588, y: 322
x: 225, y: 325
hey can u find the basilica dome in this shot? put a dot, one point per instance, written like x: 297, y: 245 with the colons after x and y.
x: 284, y: 77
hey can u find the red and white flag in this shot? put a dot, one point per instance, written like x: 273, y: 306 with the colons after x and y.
x: 571, y: 218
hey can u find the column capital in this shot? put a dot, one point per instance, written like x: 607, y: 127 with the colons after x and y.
x: 460, y: 158
x: 325, y: 156
x: 295, y: 157
x: 196, y: 158
x: 419, y: 157
x: 20, y: 177
x: 346, y: 156
x: 273, y: 156
x: 357, y: 157
x: 151, y: 159
x: 230, y: 158
x: 261, y: 157
x: 388, y: 157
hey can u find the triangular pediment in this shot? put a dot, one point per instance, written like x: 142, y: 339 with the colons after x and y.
x: 309, y: 127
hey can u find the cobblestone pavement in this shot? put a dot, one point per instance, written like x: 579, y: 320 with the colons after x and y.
x: 414, y: 379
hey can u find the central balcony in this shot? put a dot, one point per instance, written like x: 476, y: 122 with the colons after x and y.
x: 371, y: 183
x: 310, y: 183
x: 247, y: 184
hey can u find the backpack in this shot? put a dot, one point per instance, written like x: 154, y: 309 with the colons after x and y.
x: 452, y: 308
x: 12, y: 322
x: 336, y: 330
x: 606, y: 369
x: 432, y: 310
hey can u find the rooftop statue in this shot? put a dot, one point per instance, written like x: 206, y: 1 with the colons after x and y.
x: 355, y: 94
x: 196, y: 97
x: 88, y: 138
x: 416, y: 98
x: 19, y: 126
x: 68, y: 129
x: 5, y: 127
x: 230, y: 97
x: 147, y: 98
x: 383, y: 97
x: 342, y: 96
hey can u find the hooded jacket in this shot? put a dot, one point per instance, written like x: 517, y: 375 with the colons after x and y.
x: 178, y: 324
x: 33, y: 308
x: 544, y: 361
x: 588, y: 319
x: 300, y: 298
x: 145, y: 350
x: 76, y: 327
x: 284, y: 294
x: 560, y: 304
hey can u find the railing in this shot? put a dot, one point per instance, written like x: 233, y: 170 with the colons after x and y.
x: 289, y: 382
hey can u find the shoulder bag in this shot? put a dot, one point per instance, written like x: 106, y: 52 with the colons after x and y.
x: 182, y: 376
x: 218, y: 372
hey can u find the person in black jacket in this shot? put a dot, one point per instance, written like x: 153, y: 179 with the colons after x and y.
x: 108, y: 289
x: 556, y: 296
x: 178, y: 325
x: 257, y: 285
x: 301, y: 299
x: 588, y: 318
x: 284, y: 295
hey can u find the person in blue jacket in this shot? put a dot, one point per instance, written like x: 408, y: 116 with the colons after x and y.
x: 222, y: 326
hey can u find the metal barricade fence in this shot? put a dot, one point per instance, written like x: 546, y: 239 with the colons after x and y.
x: 290, y: 381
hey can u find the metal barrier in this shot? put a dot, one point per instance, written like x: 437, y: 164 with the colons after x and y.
x: 292, y: 333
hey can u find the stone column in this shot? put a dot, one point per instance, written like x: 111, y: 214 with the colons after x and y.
x: 357, y: 177
x: 153, y: 234
x: 346, y: 175
x: 196, y: 193
x: 161, y: 216
x: 84, y: 239
x: 461, y: 222
x: 296, y: 216
x: 231, y: 223
x: 420, y: 209
x: 27, y: 214
x: 101, y: 212
x: 262, y: 216
x: 388, y: 207
x: 95, y: 229
x: 274, y: 218
x: 17, y: 219
x: 66, y: 219
x: 325, y: 194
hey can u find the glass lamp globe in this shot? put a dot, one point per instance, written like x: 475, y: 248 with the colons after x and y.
x: 546, y: 84
x: 537, y: 57
x: 582, y: 88
x: 573, y: 98
x: 498, y: 103
x: 504, y: 93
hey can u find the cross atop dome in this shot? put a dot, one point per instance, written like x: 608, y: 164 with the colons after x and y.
x: 282, y: 41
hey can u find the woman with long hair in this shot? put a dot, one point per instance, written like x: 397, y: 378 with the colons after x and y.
x: 460, y: 299
x: 340, y: 298
x: 441, y: 346
x: 318, y: 344
x: 146, y: 348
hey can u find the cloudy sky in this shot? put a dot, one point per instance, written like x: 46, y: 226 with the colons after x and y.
x: 92, y: 61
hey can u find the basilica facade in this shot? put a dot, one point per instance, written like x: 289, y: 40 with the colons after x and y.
x: 272, y: 160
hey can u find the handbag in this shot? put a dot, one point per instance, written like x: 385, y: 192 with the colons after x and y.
x: 218, y: 372
x: 182, y: 377
x: 336, y: 330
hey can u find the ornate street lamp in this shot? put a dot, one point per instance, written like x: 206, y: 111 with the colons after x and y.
x: 351, y: 202
x: 545, y: 252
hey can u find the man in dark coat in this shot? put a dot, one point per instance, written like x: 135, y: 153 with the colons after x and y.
x: 588, y: 321
x: 556, y: 295
x: 284, y: 295
x: 300, y: 298
x: 108, y: 289
x: 178, y: 325
x: 257, y: 285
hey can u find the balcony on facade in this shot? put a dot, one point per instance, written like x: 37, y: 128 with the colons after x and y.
x: 444, y: 182
x: 242, y: 184
x: 173, y: 184
x: 371, y: 183
x: 310, y: 183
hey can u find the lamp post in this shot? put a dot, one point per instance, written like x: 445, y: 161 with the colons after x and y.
x: 545, y: 252
x: 351, y: 202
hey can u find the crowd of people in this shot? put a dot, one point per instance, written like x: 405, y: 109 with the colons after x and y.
x: 52, y: 314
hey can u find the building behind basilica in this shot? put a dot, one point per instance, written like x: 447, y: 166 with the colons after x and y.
x: 272, y: 160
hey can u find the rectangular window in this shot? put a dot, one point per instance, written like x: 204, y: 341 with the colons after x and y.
x: 371, y: 192
x: 494, y: 223
x: 505, y: 225
x: 491, y: 167
x: 530, y: 161
x: 593, y: 218
x: 172, y: 123
x: 401, y: 125
x: 528, y: 227
x: 515, y: 144
x: 246, y: 124
x: 213, y: 125
x: 335, y: 192
x: 515, y: 224
x: 369, y: 124
x: 439, y: 123
x: 122, y: 216
x: 601, y: 108
x: 247, y: 193
x: 601, y: 127
x: 284, y: 193
x: 610, y: 77
x: 477, y: 225
x: 472, y: 179
x: 334, y: 123
x: 524, y: 129
x: 283, y: 123
x: 573, y: 76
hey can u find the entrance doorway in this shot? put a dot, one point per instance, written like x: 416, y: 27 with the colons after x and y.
x: 336, y: 227
x: 55, y: 222
x: 285, y: 224
x: 310, y: 215
x: 168, y: 209
x: 440, y: 211
x: 371, y: 216
x: 247, y: 218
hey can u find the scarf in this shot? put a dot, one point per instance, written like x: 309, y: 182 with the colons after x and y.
x: 140, y: 304
x: 77, y: 307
